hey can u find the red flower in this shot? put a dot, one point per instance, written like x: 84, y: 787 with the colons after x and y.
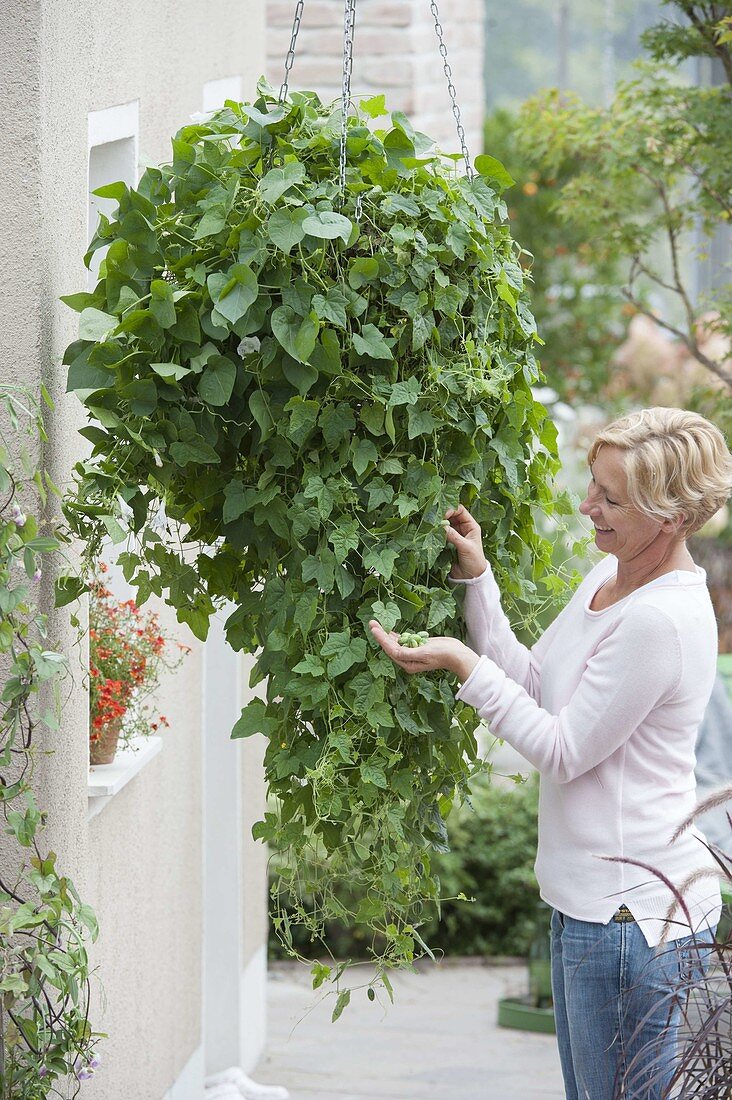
x: 127, y: 654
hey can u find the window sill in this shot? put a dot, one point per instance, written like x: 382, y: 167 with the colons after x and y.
x: 107, y: 780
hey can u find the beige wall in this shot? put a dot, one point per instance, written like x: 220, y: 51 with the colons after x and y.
x: 395, y: 51
x: 138, y: 863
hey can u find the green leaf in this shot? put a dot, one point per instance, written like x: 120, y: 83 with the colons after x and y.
x: 381, y: 561
x: 442, y: 606
x: 80, y: 301
x: 260, y: 411
x: 371, y: 774
x: 279, y: 180
x: 253, y: 719
x: 162, y: 306
x: 95, y: 325
x: 193, y: 451
x: 233, y: 292
x: 370, y: 342
x: 421, y: 422
x: 296, y: 335
x: 170, y: 370
x: 422, y: 326
x: 303, y: 415
x: 285, y: 227
x: 310, y: 666
x: 331, y: 306
x: 362, y: 271
x: 397, y: 146
x: 492, y: 169
x: 375, y: 106
x: 212, y: 222
x: 405, y: 393
x: 344, y: 999
x: 116, y: 191
x: 336, y: 423
x: 364, y: 453
x: 386, y: 613
x: 328, y: 225
x: 43, y: 544
x: 217, y: 381
x: 344, y: 539
x: 67, y: 589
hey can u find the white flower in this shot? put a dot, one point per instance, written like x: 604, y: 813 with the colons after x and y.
x: 17, y: 516
x: 158, y: 459
x: 125, y: 511
x: 248, y: 345
x: 159, y: 522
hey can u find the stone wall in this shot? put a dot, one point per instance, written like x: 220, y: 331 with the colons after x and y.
x: 396, y: 52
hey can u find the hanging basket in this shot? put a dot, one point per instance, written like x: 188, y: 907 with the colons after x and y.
x: 103, y: 750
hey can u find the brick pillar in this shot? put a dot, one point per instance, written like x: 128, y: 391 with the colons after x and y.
x: 395, y: 52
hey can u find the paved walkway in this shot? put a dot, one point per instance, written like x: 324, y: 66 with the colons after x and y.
x: 439, y: 1041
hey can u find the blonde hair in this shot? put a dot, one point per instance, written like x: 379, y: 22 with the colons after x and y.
x: 677, y: 464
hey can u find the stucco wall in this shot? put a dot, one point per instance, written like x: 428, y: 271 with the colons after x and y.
x: 138, y: 863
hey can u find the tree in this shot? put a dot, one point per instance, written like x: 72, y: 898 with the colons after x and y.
x: 655, y: 177
x: 575, y: 296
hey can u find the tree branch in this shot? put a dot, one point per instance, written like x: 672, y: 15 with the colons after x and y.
x: 707, y: 33
x: 687, y: 341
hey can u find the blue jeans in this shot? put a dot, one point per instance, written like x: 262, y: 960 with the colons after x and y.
x: 615, y: 1008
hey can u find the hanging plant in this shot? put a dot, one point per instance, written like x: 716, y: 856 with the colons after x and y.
x: 308, y: 379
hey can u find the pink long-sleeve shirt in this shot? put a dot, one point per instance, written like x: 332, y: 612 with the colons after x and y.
x: 606, y: 705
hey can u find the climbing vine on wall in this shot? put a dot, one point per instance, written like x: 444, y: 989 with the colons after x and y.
x: 46, y: 1037
x: 287, y: 386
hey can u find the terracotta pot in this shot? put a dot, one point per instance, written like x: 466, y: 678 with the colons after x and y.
x: 103, y: 750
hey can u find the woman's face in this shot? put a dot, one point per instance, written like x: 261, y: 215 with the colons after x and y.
x: 620, y: 528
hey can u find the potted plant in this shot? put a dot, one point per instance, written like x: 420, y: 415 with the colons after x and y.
x: 127, y: 654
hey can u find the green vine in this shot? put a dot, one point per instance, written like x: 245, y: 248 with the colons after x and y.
x: 288, y: 387
x: 45, y: 1034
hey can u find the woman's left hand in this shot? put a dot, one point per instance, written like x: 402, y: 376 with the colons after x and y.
x: 447, y: 653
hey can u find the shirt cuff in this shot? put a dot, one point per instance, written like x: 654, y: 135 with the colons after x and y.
x: 471, y: 580
x: 475, y: 674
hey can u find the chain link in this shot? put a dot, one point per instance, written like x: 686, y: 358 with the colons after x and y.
x: 291, y: 52
x: 451, y: 90
x: 349, y: 24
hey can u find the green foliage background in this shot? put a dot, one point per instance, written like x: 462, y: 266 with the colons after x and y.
x: 307, y: 380
x: 575, y: 295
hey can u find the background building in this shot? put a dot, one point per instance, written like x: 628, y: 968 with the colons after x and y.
x: 91, y: 92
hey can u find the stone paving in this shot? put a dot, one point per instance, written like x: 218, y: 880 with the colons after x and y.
x: 439, y: 1041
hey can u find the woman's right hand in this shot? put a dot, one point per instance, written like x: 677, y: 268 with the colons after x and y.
x: 465, y: 535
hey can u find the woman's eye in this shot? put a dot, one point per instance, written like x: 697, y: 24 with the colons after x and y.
x: 610, y: 501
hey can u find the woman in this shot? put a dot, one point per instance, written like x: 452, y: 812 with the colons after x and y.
x: 606, y: 705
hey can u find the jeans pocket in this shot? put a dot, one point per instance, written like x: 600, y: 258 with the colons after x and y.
x: 694, y: 954
x: 557, y: 921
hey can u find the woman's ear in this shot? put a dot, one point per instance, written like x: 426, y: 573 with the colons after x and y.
x: 673, y: 526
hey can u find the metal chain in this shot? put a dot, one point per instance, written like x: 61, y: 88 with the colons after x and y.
x: 451, y: 90
x: 291, y: 52
x: 349, y: 23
